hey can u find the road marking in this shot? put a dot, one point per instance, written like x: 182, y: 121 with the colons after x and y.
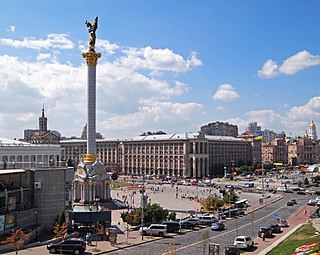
x: 228, y: 232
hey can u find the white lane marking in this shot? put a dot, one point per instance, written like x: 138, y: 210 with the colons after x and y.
x: 225, y: 233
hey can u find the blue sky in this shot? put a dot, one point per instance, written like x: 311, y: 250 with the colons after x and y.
x: 165, y: 65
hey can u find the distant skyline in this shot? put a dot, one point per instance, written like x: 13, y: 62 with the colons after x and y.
x: 166, y: 65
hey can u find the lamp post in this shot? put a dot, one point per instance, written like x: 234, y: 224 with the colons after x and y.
x: 36, y: 215
x: 262, y: 181
x: 142, y: 207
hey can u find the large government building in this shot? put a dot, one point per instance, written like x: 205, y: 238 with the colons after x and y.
x: 190, y: 155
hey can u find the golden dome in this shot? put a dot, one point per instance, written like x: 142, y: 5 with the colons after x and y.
x: 312, y: 125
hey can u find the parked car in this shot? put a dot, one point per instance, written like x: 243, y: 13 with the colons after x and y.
x: 218, y: 226
x: 283, y: 223
x: 172, y: 226
x: 266, y: 231
x: 187, y: 225
x: 301, y: 192
x: 72, y: 245
x: 293, y: 201
x: 298, y: 189
x: 288, y: 191
x: 154, y: 229
x: 312, y: 202
x: 243, y: 242
x: 119, y: 204
x: 193, y: 220
x: 290, y: 203
x: 275, y: 228
x: 207, y: 219
x: 231, y: 250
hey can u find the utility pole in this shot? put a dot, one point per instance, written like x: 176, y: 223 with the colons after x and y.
x: 142, y: 205
x: 262, y: 181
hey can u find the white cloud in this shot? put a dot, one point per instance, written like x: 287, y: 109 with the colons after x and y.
x: 220, y: 108
x: 53, y: 41
x: 311, y: 110
x: 12, y: 29
x: 105, y: 45
x: 44, y: 56
x: 269, y: 69
x: 123, y: 94
x: 177, y: 116
x: 290, y: 66
x: 158, y: 60
x: 298, y: 62
x: 25, y: 117
x: 226, y: 92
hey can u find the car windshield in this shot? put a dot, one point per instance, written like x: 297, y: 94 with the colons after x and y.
x: 239, y: 239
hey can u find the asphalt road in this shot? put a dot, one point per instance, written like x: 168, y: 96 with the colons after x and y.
x: 194, y: 242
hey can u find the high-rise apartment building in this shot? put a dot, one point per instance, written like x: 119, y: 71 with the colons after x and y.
x: 254, y: 128
x: 220, y: 129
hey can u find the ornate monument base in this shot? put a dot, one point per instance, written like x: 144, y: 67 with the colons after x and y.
x: 91, y: 182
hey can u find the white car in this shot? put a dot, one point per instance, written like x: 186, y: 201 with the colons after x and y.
x: 154, y: 230
x: 243, y: 242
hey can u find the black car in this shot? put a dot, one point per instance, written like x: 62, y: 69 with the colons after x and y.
x: 264, y: 231
x: 172, y: 226
x: 289, y: 203
x: 231, y: 250
x: 301, y: 192
x: 275, y: 228
x: 187, y: 225
x: 72, y: 245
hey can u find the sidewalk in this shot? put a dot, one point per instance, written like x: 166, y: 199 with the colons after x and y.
x: 295, y: 222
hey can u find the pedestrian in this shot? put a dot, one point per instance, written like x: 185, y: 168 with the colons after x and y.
x: 305, y: 212
x: 263, y: 236
x: 88, y: 238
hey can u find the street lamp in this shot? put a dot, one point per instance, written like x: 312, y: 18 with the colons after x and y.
x: 36, y: 215
x: 142, y: 207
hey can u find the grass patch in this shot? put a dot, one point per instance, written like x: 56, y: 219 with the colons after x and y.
x: 302, y: 236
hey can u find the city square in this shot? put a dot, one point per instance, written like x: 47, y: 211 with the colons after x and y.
x: 192, y: 137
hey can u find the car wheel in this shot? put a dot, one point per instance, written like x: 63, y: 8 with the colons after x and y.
x: 53, y: 250
x: 77, y: 252
x: 160, y: 234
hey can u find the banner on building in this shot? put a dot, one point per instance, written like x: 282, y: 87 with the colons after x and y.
x: 10, y: 220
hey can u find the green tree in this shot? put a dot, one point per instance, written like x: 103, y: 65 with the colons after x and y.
x: 153, y: 213
x: 233, y: 197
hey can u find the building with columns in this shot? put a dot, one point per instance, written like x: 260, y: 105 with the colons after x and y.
x: 182, y: 155
x: 190, y: 155
x: 17, y: 154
